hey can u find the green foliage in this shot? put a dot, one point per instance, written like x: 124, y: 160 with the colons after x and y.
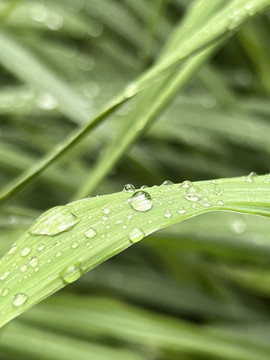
x: 98, y: 94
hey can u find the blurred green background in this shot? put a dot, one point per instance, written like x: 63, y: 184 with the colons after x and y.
x: 197, y: 290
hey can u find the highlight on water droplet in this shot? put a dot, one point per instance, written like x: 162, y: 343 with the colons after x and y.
x: 129, y: 188
x: 54, y: 222
x: 19, y: 299
x: 71, y: 273
x: 106, y: 210
x: 186, y: 184
x: 141, y: 201
x: 90, y: 233
x: 135, y: 235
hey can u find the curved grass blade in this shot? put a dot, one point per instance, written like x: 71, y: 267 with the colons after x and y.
x: 66, y: 241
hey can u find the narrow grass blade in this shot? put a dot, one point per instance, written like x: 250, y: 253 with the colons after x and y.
x: 67, y: 241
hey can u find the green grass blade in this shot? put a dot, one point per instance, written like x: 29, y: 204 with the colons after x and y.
x: 69, y: 240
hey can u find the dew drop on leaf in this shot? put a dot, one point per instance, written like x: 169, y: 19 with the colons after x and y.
x: 90, y: 233
x: 205, y: 202
x: 74, y: 245
x: 191, y: 194
x: 186, y: 184
x: 54, y: 222
x: 33, y: 261
x: 71, y: 273
x: 129, y: 188
x: 26, y: 251
x: 167, y: 214
x: 181, y: 210
x: 135, y: 235
x: 141, y: 201
x: 167, y: 182
x: 19, y: 299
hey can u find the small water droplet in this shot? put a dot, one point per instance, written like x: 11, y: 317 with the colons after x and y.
x: 186, y: 184
x: 75, y: 245
x: 19, y: 299
x: 90, y: 233
x: 135, y: 235
x: 167, y: 182
x: 4, y: 275
x: 33, y: 262
x: 41, y: 247
x: 167, y: 214
x: 106, y: 210
x: 71, y: 273
x: 24, y: 268
x: 192, y: 194
x: 12, y: 250
x: 54, y: 222
x: 58, y: 254
x: 220, y: 203
x: 129, y: 188
x: 204, y: 201
x: 26, y: 251
x: 141, y: 201
x: 5, y: 292
x: 251, y: 176
x: 181, y: 210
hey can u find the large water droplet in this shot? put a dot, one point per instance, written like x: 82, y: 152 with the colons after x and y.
x: 129, y: 188
x: 135, y: 235
x: 19, y: 299
x: 141, y: 201
x: 71, y: 273
x: 54, y: 222
x: 90, y: 233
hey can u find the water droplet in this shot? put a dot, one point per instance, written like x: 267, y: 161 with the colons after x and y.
x: 251, y: 176
x: 186, y: 184
x: 167, y: 182
x: 75, y: 245
x: 141, y: 201
x: 220, y: 203
x: 33, y: 262
x: 90, y: 233
x: 181, y: 210
x: 167, y: 214
x: 19, y: 299
x: 129, y: 188
x: 24, y: 268
x: 5, y: 292
x: 58, y: 254
x: 26, y: 251
x: 41, y: 247
x: 135, y: 235
x: 54, y: 222
x: 204, y: 201
x: 4, y: 275
x: 12, y: 250
x: 192, y: 194
x: 106, y: 210
x: 71, y: 273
